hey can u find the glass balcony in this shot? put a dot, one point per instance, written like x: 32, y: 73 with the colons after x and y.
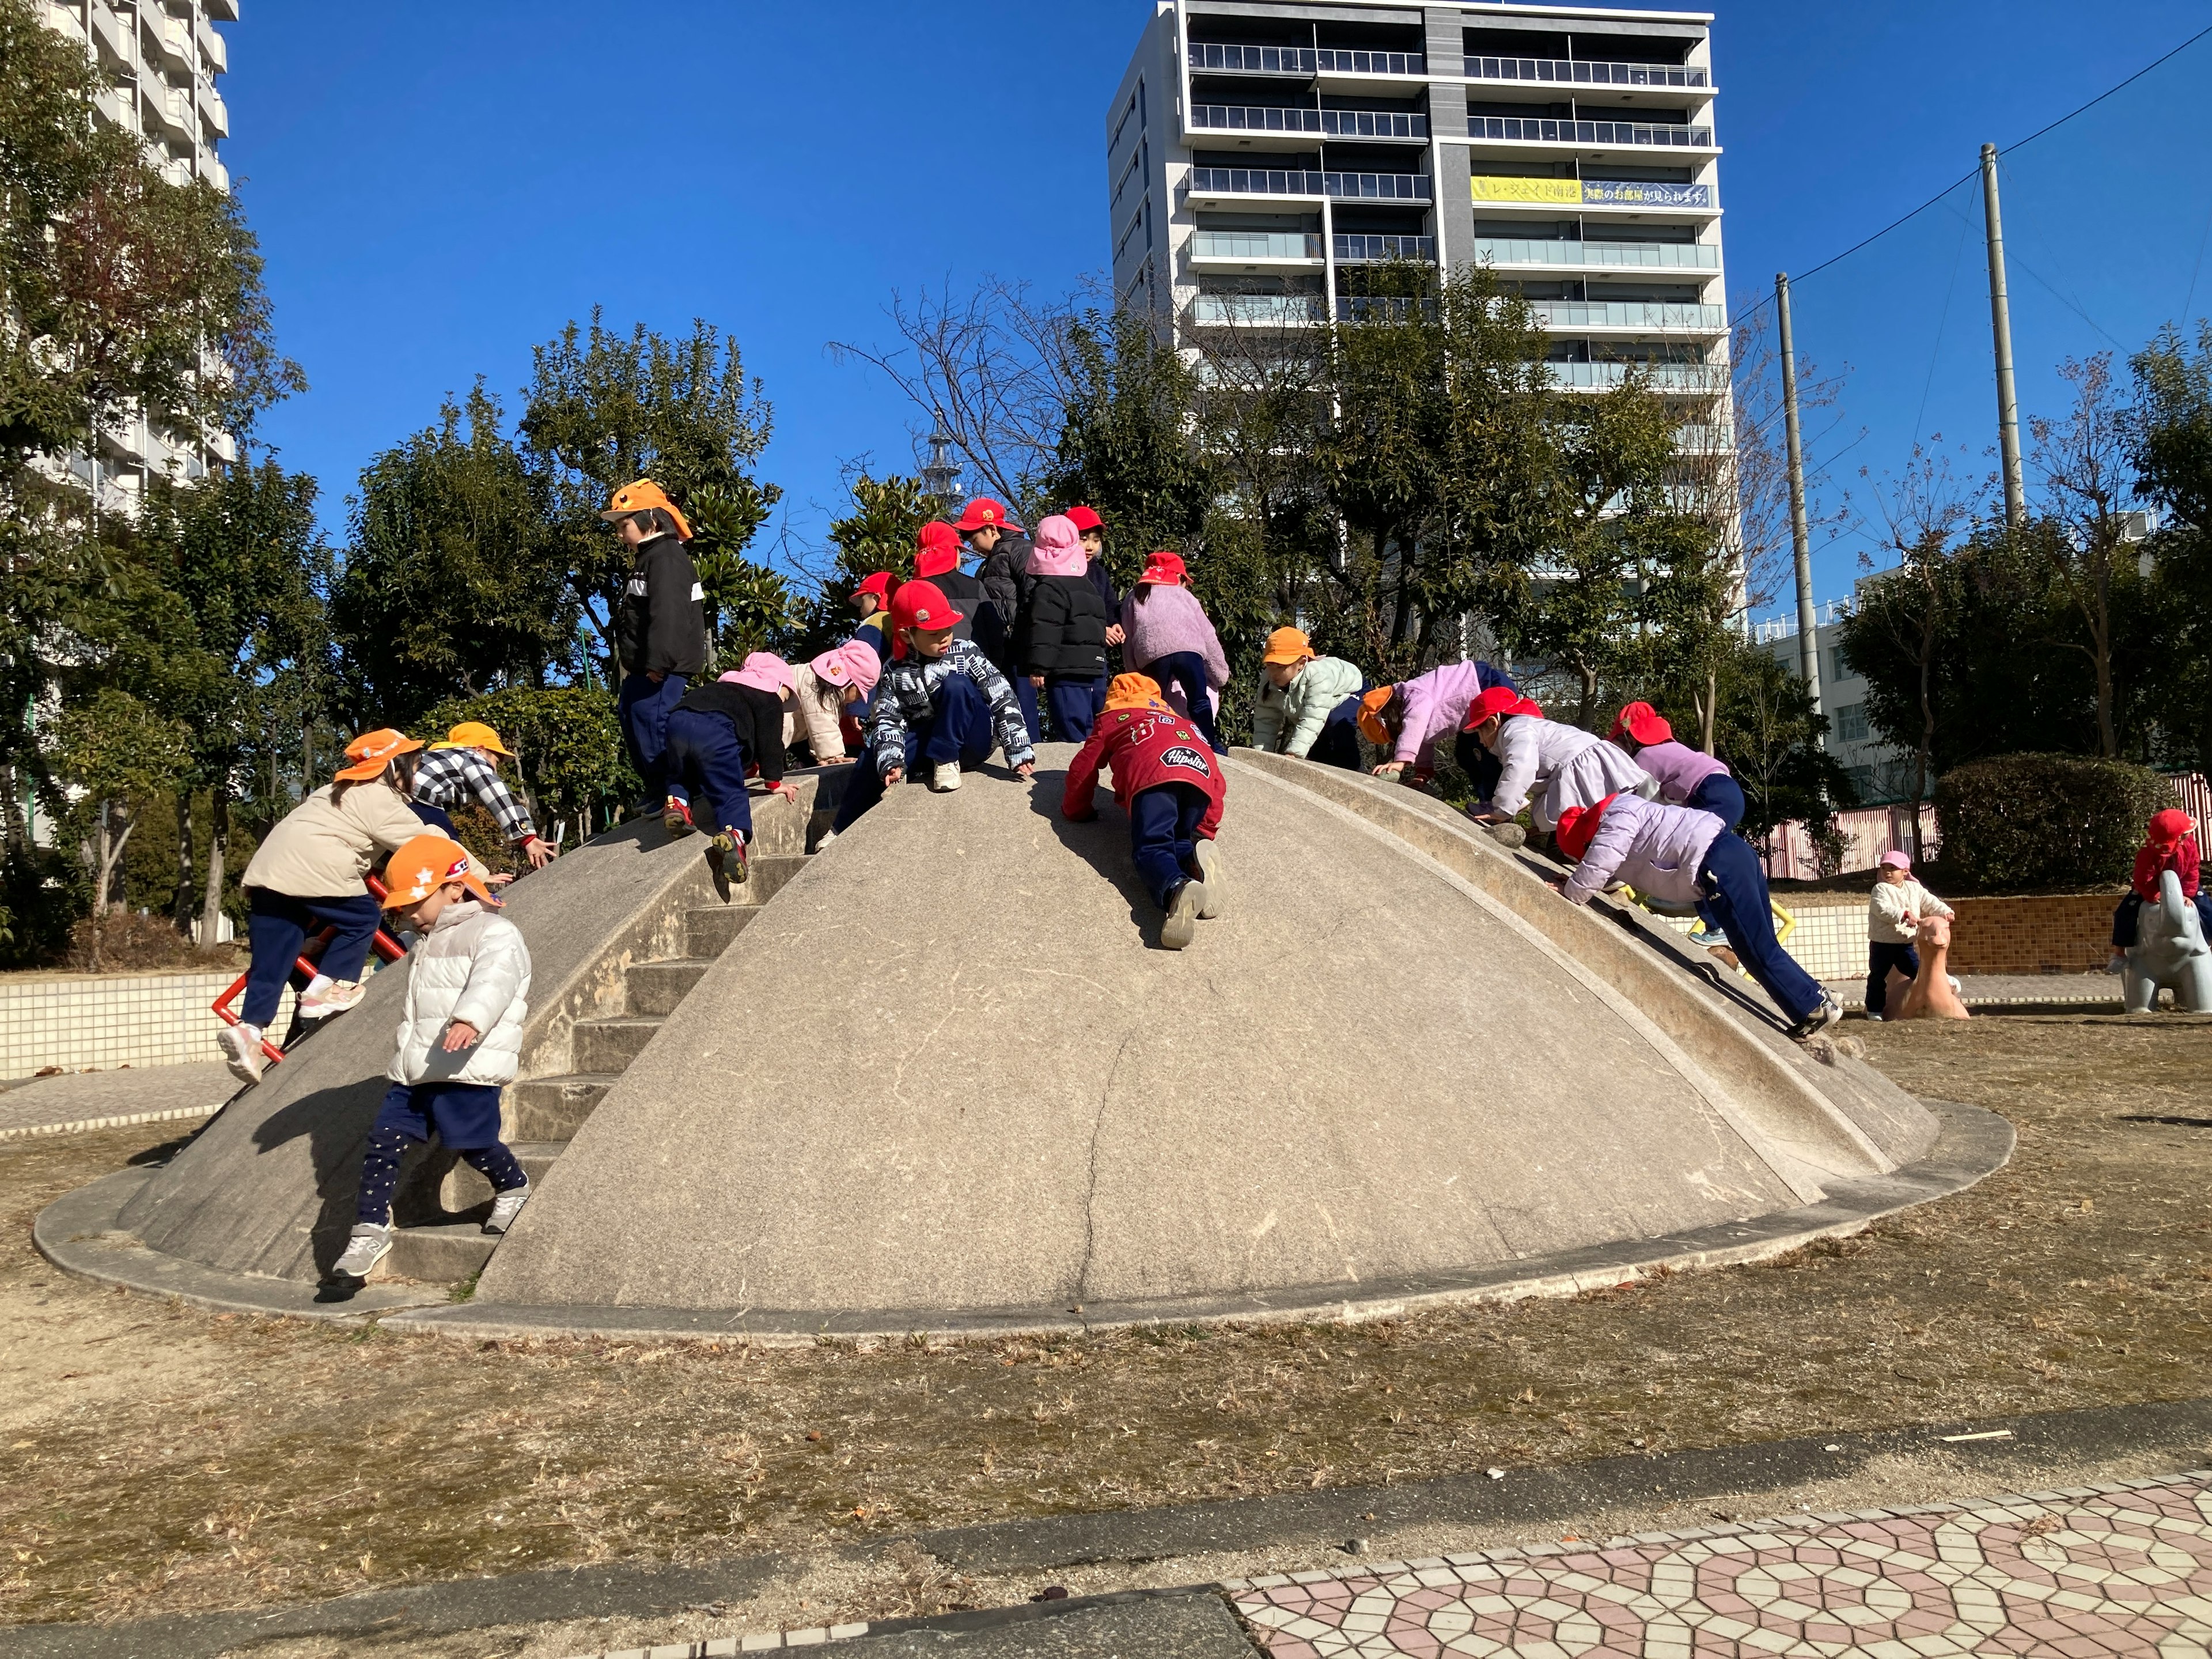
x: 1373, y: 123
x: 1255, y: 244
x: 1576, y: 314
x: 1605, y: 376
x: 1560, y: 72
x: 1277, y: 310
x: 1670, y: 255
x: 1524, y: 129
x: 1326, y: 123
x: 1378, y: 186
x: 1306, y: 61
x: 1378, y: 250
x: 1339, y: 187
x: 1337, y: 61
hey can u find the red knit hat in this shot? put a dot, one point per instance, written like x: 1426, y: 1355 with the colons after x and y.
x: 879, y: 583
x: 1084, y: 519
x: 1578, y: 827
x: 1165, y: 567
x: 984, y: 512
x: 923, y: 605
x: 937, y: 550
x: 1497, y: 700
x: 2167, y: 828
x: 1642, y: 722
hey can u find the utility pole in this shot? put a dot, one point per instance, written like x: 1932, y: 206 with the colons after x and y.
x: 2015, y: 490
x: 1801, y: 532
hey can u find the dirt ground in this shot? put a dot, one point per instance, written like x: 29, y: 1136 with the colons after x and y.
x: 155, y: 1458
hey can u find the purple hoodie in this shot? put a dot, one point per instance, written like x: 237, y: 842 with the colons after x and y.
x: 1436, y: 707
x: 1162, y: 620
x: 1679, y: 769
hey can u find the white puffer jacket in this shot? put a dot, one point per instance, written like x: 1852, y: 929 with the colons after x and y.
x: 473, y: 967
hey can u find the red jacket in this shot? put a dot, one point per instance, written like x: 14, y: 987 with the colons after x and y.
x: 2182, y: 860
x: 1146, y: 748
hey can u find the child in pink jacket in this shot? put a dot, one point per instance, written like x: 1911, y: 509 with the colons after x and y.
x: 1170, y: 639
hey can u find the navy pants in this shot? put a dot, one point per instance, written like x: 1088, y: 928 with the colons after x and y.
x: 1881, y: 958
x: 958, y: 729
x: 1164, y: 823
x: 1483, y: 768
x: 644, y: 707
x: 465, y: 1116
x: 1074, y: 704
x: 1338, y: 742
x: 2129, y: 914
x: 1721, y: 795
x: 706, y: 759
x: 1185, y: 671
x: 1736, y: 886
x: 277, y: 926
x: 434, y: 817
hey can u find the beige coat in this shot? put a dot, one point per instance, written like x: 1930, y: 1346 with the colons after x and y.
x: 810, y: 715
x: 322, y: 848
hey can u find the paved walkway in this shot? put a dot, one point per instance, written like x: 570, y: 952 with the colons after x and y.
x: 104, y: 1100
x: 2082, y: 1573
x: 1999, y: 990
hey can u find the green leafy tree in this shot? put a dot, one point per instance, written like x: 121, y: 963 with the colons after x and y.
x: 877, y: 534
x: 749, y: 606
x: 118, y: 752
x: 2170, y: 447
x: 570, y: 759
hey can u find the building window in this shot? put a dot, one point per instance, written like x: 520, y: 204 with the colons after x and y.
x: 1852, y: 723
x: 1841, y: 661
x: 1861, y: 779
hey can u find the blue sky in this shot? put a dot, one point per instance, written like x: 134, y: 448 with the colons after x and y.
x: 437, y: 191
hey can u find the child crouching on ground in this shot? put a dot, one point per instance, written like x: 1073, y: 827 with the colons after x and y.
x: 1167, y: 779
x: 1309, y: 705
x: 1679, y: 855
x: 460, y: 1037
x: 941, y: 701
x: 2169, y: 843
x: 1894, y: 913
x: 718, y: 730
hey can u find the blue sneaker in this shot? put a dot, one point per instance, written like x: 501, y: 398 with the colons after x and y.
x: 1707, y: 937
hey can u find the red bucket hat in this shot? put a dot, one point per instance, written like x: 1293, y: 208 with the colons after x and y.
x: 1497, y: 700
x: 1165, y: 567
x: 2167, y: 828
x: 983, y: 511
x: 1084, y: 519
x: 879, y: 583
x: 923, y: 605
x: 1642, y: 722
x: 1578, y: 827
x: 937, y: 550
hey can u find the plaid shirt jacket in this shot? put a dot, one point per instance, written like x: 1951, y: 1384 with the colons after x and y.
x: 446, y: 778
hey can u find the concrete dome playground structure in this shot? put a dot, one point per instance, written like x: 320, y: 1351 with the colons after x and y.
x: 940, y: 1078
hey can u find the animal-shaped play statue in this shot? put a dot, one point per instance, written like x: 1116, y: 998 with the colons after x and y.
x: 1931, y: 995
x: 2169, y: 954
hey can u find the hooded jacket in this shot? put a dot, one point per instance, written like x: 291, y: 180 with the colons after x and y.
x: 1655, y: 848
x: 1290, y: 718
x: 473, y: 966
x: 323, y: 847
x: 812, y: 715
x: 1558, y: 766
x: 1146, y: 748
x: 1162, y: 620
x: 661, y: 625
x: 755, y: 717
x: 903, y: 700
x: 1436, y: 707
x: 1677, y: 769
x: 1060, y: 627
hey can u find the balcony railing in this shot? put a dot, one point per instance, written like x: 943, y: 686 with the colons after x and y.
x: 1326, y: 123
x: 1280, y: 310
x: 1526, y: 130
x: 1578, y: 313
x: 1373, y: 123
x: 1356, y: 249
x: 1292, y: 181
x: 1602, y: 376
x: 1560, y: 72
x: 1670, y: 255
x: 1255, y: 244
x: 1306, y: 61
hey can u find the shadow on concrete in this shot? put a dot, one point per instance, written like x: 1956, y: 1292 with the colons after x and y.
x: 336, y: 1124
x: 1102, y: 843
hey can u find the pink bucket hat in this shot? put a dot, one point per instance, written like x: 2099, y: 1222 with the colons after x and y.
x: 764, y: 672
x: 853, y: 663
x: 1896, y: 861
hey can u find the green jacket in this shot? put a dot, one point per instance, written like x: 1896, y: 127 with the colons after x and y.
x: 1288, y: 721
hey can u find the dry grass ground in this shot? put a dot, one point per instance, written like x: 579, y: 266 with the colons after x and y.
x: 160, y: 1459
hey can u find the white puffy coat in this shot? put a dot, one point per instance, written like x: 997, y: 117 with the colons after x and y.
x: 473, y: 966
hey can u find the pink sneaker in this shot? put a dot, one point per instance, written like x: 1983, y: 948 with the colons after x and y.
x: 320, y: 1001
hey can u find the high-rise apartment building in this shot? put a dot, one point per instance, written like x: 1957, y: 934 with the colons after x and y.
x: 157, y: 62
x: 1260, y: 153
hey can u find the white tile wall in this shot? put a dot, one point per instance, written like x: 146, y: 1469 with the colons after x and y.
x: 81, y: 1022
x: 1829, y: 941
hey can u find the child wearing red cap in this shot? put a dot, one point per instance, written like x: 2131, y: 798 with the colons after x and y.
x: 1172, y: 641
x: 1545, y: 766
x: 1686, y: 776
x: 1092, y: 530
x: 873, y: 599
x: 937, y: 559
x: 2169, y: 843
x: 1678, y: 855
x: 994, y: 538
x: 1171, y: 786
x: 720, y: 729
x: 941, y: 701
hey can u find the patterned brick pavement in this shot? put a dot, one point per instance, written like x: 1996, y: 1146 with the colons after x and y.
x: 2081, y: 1573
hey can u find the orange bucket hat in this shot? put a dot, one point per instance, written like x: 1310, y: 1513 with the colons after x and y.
x: 474, y: 734
x: 640, y: 496
x: 1133, y: 691
x: 424, y: 865
x: 372, y: 752
x: 1288, y: 645
x: 1371, y: 705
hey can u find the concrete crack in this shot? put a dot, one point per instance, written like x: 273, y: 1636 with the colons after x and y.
x: 1090, y: 1190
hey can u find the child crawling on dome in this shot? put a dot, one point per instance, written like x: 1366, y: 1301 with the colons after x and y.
x: 1168, y: 779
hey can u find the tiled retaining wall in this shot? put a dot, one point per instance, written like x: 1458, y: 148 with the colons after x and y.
x: 82, y: 1022
x: 2068, y: 935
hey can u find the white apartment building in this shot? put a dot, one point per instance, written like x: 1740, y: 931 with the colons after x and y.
x: 1261, y: 153
x: 158, y: 62
x: 1881, y: 773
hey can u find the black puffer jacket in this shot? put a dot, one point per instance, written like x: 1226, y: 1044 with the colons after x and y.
x: 660, y: 627
x: 1061, y: 628
x: 966, y: 595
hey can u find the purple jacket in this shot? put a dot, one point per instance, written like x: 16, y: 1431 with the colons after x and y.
x: 1655, y: 848
x: 1171, y: 621
x: 1679, y: 767
x: 1436, y: 707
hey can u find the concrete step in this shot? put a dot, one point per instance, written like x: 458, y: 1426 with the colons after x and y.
x: 465, y: 1194
x: 655, y: 988
x: 446, y: 1253
x: 555, y: 1108
x: 708, y: 932
x: 765, y: 878
x: 610, y: 1045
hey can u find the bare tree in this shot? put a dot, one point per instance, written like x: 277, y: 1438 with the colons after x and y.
x: 2082, y: 463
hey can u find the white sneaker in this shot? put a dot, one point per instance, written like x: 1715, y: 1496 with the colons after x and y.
x: 1819, y: 1020
x: 241, y: 1051
x: 370, y: 1243
x: 1184, y: 907
x: 335, y: 997
x: 1213, y: 906
x: 944, y: 776
x: 828, y: 836
x: 505, y: 1206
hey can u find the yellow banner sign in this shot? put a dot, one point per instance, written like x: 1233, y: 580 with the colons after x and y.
x: 1566, y: 192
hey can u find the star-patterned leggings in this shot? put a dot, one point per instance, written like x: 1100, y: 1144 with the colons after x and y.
x: 379, y: 1170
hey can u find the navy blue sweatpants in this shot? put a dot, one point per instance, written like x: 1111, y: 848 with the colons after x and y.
x: 277, y: 927
x: 1187, y: 670
x: 958, y: 729
x: 706, y: 759
x: 1736, y: 886
x: 1338, y: 742
x: 466, y: 1118
x: 1881, y: 958
x: 1722, y: 796
x: 1164, y: 823
x: 644, y: 709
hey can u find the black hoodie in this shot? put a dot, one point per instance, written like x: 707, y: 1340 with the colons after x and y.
x: 661, y: 625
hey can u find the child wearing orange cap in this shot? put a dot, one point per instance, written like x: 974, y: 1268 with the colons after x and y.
x: 1411, y: 718
x: 714, y: 734
x: 467, y: 763
x: 941, y: 701
x: 459, y: 1043
x: 1309, y: 705
x: 1171, y: 786
x: 1679, y: 855
x: 661, y: 626
x: 1172, y: 641
x: 309, y: 870
x: 2169, y: 843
